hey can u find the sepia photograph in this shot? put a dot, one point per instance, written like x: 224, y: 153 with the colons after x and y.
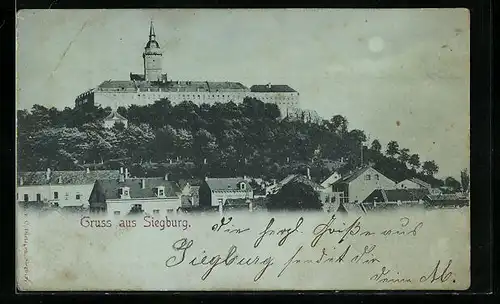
x: 242, y: 149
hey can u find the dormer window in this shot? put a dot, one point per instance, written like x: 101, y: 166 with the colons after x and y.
x: 242, y: 186
x: 367, y: 177
x: 124, y: 192
x: 160, y: 191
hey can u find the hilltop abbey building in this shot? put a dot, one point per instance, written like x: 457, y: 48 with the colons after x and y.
x: 153, y: 84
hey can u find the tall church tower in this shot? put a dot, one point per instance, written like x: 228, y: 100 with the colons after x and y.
x: 152, y: 57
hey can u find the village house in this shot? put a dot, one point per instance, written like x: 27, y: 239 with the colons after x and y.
x: 356, y: 186
x: 216, y: 191
x: 123, y: 195
x: 415, y: 183
x: 65, y: 189
x: 113, y: 118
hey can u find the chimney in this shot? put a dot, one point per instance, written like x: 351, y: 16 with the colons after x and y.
x: 206, y: 178
x: 166, y: 176
x: 21, y: 182
x: 121, y: 170
x: 308, y: 173
x: 47, y: 174
x: 88, y: 170
x: 143, y: 183
x: 126, y: 172
x: 205, y: 161
x: 59, y: 179
x: 268, y: 85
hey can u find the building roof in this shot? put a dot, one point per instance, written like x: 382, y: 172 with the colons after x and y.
x: 446, y: 197
x: 370, y: 207
x: 287, y: 179
x: 152, y: 44
x: 303, y: 179
x: 352, y: 176
x: 299, y: 179
x: 328, y: 181
x: 420, y: 182
x: 227, y: 183
x: 65, y: 177
x: 263, y: 88
x: 169, y: 86
x: 447, y: 203
x: 137, y: 77
x: 110, y: 187
x: 394, y: 195
x: 152, y: 37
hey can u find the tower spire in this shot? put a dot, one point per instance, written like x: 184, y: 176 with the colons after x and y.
x: 152, y: 35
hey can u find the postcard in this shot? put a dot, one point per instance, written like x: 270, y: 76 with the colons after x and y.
x: 242, y: 150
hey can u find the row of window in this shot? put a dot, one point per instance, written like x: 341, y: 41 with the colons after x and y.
x: 155, y: 211
x: 368, y: 177
x: 55, y: 196
x: 81, y: 102
x: 124, y: 192
x: 151, y: 96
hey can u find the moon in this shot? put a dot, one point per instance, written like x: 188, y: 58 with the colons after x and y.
x: 376, y: 44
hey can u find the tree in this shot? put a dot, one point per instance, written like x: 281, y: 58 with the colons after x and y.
x: 235, y: 139
x: 414, y: 161
x: 338, y: 124
x: 56, y: 148
x: 272, y: 111
x: 295, y: 196
x: 392, y: 148
x: 404, y: 155
x: 358, y: 136
x: 119, y: 126
x: 376, y: 146
x: 465, y: 180
x: 430, y: 168
x: 452, y: 183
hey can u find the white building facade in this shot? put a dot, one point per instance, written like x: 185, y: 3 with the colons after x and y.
x: 151, y: 196
x: 152, y: 85
x: 59, y: 188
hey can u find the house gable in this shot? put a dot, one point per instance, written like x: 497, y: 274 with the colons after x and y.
x: 361, y: 183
